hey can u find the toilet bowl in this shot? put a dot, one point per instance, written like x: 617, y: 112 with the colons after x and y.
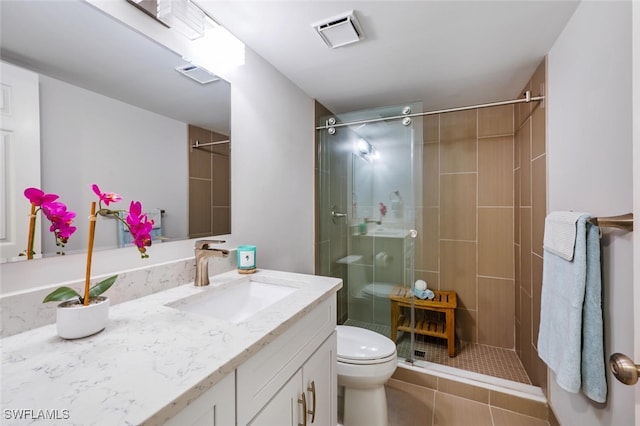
x: 366, y: 360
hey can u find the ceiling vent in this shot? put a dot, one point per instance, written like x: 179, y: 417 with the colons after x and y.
x: 340, y: 30
x: 196, y: 73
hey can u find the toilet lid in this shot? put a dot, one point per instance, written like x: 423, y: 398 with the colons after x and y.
x: 355, y: 343
x: 382, y: 290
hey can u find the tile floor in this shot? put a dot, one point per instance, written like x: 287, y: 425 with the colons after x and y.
x: 422, y: 400
x: 483, y: 359
x: 412, y: 405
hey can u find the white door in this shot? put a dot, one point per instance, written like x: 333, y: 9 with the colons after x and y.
x: 19, y: 156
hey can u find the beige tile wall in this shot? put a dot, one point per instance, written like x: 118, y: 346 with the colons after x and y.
x: 209, y: 185
x: 484, y: 203
x: 467, y: 234
x: 530, y: 202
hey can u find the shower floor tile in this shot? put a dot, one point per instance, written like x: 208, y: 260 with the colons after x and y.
x: 489, y: 360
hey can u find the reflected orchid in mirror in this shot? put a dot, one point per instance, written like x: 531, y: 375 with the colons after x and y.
x: 106, y: 197
x: 55, y: 211
x: 134, y: 220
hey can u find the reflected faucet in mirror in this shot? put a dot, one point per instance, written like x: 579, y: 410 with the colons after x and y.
x: 204, y: 251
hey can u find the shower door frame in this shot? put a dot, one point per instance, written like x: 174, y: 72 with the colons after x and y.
x: 344, y: 203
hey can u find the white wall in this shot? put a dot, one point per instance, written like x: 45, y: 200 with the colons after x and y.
x: 272, y: 166
x: 124, y: 149
x: 272, y: 150
x: 590, y: 169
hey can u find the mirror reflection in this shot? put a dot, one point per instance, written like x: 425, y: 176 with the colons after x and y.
x: 113, y: 110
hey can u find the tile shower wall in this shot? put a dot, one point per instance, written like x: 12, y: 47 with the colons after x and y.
x: 530, y: 211
x: 209, y: 185
x: 467, y: 236
x: 484, y: 204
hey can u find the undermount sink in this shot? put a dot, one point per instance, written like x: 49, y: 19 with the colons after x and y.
x: 234, y: 302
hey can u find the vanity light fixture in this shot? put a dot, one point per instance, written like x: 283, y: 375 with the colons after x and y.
x: 340, y: 30
x: 183, y: 16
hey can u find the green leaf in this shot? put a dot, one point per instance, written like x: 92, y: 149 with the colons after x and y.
x: 61, y: 294
x: 101, y: 287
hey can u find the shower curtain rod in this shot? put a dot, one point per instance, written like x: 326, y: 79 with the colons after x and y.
x: 527, y: 98
x: 200, y: 145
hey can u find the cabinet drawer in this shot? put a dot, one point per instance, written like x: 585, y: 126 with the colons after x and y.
x: 260, y: 377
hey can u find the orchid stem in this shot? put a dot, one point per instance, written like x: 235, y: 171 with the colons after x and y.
x: 32, y: 230
x: 92, y: 230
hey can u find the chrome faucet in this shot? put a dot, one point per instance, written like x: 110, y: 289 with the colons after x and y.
x: 377, y: 222
x: 204, y: 252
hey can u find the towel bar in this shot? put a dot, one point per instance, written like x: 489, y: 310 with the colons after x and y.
x: 624, y: 221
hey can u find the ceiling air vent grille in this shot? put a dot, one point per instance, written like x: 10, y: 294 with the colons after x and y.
x: 196, y: 73
x: 340, y: 30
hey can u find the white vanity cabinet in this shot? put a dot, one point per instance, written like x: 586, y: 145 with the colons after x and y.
x: 216, y: 407
x: 309, y: 393
x: 300, y: 361
x: 294, y: 373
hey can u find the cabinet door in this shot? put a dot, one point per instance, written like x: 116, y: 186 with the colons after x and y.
x: 319, y: 377
x: 283, y: 409
x: 215, y: 407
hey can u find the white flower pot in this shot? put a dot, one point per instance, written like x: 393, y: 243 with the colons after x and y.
x: 74, y: 320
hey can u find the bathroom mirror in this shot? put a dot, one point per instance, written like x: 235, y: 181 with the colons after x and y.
x: 114, y: 111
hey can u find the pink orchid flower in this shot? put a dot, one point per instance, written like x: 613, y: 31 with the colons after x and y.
x: 107, y: 197
x: 38, y: 197
x: 140, y: 227
x: 60, y: 219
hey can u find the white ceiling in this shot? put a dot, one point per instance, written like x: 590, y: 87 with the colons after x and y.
x: 443, y: 53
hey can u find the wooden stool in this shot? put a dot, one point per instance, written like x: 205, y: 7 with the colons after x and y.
x: 444, y: 301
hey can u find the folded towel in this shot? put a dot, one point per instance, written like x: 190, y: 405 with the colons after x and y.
x: 570, y: 339
x: 423, y: 294
x: 560, y: 233
x: 594, y: 383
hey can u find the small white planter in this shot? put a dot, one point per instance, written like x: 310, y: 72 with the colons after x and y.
x: 74, y: 320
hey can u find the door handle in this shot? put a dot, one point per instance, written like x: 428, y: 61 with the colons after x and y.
x: 303, y: 400
x: 312, y: 389
x: 624, y: 369
x: 336, y: 214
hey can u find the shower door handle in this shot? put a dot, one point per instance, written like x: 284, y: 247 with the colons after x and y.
x: 336, y: 214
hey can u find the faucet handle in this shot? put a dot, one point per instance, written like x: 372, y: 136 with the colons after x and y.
x: 204, y: 244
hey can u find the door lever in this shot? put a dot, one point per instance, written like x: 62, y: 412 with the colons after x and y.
x: 336, y: 214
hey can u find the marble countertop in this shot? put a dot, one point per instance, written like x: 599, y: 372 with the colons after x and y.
x: 150, y: 360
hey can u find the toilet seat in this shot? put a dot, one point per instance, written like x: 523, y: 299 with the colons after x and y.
x: 360, y: 346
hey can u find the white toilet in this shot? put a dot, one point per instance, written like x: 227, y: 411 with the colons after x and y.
x: 366, y: 360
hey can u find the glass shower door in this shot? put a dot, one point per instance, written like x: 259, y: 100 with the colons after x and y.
x: 370, y: 172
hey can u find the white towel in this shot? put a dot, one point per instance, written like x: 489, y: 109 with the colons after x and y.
x: 560, y: 233
x: 570, y: 340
